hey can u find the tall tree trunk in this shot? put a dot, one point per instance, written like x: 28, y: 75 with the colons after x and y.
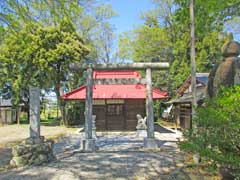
x: 28, y: 114
x: 26, y: 107
x: 193, y: 63
x: 61, y: 104
x: 16, y: 115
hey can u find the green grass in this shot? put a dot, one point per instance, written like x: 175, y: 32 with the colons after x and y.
x: 47, y: 119
x: 50, y: 122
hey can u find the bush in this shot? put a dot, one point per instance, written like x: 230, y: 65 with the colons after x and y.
x: 217, y: 132
x: 75, y: 113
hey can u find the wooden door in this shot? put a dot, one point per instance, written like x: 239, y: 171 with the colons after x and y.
x: 100, y: 112
x: 115, y: 117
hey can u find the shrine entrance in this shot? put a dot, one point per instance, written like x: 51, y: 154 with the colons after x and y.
x: 89, y: 143
x: 115, y: 117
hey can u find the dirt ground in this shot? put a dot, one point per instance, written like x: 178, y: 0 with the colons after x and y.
x: 120, y: 156
x: 12, y: 134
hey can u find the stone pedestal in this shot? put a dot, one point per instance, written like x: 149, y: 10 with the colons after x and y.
x: 34, y: 140
x: 94, y: 135
x: 150, y: 143
x: 89, y: 145
x: 32, y: 151
x: 141, y: 133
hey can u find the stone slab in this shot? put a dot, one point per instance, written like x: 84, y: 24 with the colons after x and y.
x: 34, y: 111
x: 89, y: 145
x: 150, y: 143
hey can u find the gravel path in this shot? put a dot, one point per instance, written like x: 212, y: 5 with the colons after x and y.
x: 120, y: 156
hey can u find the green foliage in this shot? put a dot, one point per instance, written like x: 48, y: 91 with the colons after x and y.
x: 210, y: 17
x: 89, y: 18
x: 153, y: 39
x: 39, y: 39
x: 147, y: 44
x: 40, y: 56
x: 166, y: 36
x: 75, y: 113
x: 217, y: 132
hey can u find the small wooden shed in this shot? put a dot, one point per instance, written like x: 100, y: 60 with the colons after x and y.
x: 8, y: 114
x: 182, y: 104
x: 116, y: 105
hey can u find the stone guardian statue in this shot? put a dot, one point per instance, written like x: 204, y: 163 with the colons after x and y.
x: 141, y: 126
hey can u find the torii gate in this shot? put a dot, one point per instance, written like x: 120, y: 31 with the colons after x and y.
x: 89, y: 142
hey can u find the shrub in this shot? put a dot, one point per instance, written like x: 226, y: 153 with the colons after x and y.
x: 217, y: 130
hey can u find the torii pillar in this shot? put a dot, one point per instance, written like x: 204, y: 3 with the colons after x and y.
x: 89, y: 143
x: 150, y: 141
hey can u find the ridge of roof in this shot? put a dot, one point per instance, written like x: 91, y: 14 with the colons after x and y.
x: 187, y: 83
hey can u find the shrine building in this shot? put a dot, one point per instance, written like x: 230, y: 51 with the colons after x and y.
x: 117, y: 104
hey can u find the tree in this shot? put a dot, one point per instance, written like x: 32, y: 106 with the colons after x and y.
x: 148, y: 44
x: 209, y: 24
x: 171, y: 20
x: 104, y: 43
x: 81, y: 18
x: 40, y: 56
x: 162, y: 14
x: 89, y: 18
x: 233, y: 26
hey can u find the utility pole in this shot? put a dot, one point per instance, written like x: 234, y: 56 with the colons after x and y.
x: 193, y: 64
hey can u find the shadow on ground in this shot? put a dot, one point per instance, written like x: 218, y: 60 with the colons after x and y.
x: 161, y: 129
x: 119, y: 156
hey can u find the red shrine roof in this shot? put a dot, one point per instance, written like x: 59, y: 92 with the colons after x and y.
x: 118, y: 91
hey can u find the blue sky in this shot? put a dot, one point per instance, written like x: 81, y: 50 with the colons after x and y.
x: 129, y: 12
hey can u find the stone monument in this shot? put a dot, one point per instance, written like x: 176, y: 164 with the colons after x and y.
x: 227, y: 73
x: 141, y: 126
x: 34, y: 150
